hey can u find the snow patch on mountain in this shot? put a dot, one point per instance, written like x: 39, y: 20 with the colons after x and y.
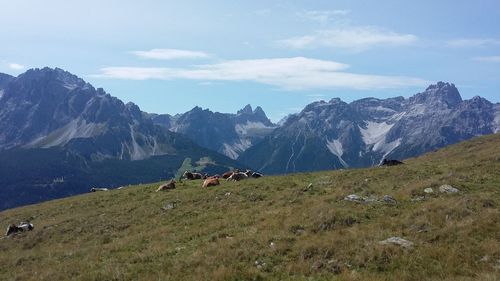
x: 1, y: 93
x: 251, y: 128
x: 78, y: 128
x: 233, y: 150
x: 336, y: 149
x: 374, y: 133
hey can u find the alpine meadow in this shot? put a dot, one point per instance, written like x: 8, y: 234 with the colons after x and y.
x: 250, y: 140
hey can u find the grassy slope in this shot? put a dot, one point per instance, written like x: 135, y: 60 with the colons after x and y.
x: 125, y: 235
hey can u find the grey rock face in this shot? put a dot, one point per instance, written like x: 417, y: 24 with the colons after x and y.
x: 335, y: 134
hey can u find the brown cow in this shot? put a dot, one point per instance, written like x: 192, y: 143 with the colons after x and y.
x: 227, y: 174
x: 167, y: 186
x: 212, y: 181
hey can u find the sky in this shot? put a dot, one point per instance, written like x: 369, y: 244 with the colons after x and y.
x: 169, y: 56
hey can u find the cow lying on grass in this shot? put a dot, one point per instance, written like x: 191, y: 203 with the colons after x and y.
x: 237, y: 176
x: 391, y: 162
x: 252, y: 174
x: 212, y: 181
x: 23, y: 226
x: 192, y: 176
x: 167, y: 186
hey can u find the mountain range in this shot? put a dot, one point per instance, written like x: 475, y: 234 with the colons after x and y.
x: 229, y: 134
x: 336, y: 134
x: 59, y: 135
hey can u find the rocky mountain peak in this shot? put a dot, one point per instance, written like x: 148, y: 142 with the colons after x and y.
x: 439, y: 93
x: 259, y: 112
x: 134, y: 110
x: 335, y: 101
x: 246, y: 110
x: 52, y: 74
x: 248, y: 114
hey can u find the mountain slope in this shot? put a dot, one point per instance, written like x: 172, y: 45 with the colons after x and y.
x: 229, y: 134
x: 295, y: 227
x: 364, y: 132
x: 45, y: 108
x: 52, y: 114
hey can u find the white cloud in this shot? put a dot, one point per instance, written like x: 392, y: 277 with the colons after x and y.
x: 349, y: 37
x: 323, y: 17
x: 488, y: 59
x: 472, y: 42
x: 170, y: 54
x: 15, y: 66
x: 316, y: 95
x: 296, y: 73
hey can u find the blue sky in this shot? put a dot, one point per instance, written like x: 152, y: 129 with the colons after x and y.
x: 168, y: 56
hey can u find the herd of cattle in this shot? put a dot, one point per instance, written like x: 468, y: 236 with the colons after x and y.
x: 235, y: 175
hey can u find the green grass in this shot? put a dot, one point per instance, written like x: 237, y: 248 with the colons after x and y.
x: 220, y: 233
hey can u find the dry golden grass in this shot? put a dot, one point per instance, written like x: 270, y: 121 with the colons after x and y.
x: 274, y: 228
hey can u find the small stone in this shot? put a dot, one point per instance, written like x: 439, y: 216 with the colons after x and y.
x: 397, y: 241
x: 354, y: 198
x: 446, y: 188
x: 272, y: 245
x: 418, y: 198
x: 227, y: 194
x: 389, y: 200
x: 169, y: 206
x: 429, y: 190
